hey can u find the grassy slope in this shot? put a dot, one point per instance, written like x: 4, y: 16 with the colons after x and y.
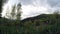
x: 42, y: 24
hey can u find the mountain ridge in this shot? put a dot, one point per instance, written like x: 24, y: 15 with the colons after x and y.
x: 35, y: 18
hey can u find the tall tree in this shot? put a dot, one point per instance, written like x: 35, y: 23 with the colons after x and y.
x: 13, y: 12
x: 1, y: 1
x: 18, y: 11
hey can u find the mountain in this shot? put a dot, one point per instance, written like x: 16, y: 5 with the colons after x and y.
x: 35, y: 18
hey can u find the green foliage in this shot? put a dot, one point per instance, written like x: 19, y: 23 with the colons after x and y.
x: 13, y: 12
x: 16, y: 12
x: 44, y: 25
x: 1, y: 6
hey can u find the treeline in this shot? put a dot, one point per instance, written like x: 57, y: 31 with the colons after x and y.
x: 42, y: 24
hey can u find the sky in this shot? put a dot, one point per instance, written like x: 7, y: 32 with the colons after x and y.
x: 31, y: 8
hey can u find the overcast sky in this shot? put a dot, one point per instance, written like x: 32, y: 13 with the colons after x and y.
x: 32, y: 8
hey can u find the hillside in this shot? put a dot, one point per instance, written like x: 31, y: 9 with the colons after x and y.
x: 41, y: 24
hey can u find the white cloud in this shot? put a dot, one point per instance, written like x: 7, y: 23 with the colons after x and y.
x: 31, y: 8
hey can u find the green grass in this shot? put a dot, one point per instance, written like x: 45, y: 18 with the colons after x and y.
x: 48, y: 25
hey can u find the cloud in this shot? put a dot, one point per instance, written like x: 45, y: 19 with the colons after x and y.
x: 26, y: 2
x: 53, y: 3
x: 31, y: 8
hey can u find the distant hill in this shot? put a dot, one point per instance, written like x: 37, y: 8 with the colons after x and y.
x: 36, y: 17
x: 41, y: 24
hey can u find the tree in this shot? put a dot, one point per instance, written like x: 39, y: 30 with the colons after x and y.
x: 13, y: 12
x: 18, y: 11
x: 1, y: 3
x: 1, y: 7
x: 56, y: 13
